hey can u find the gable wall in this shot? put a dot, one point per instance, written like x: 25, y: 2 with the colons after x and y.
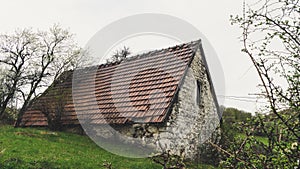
x: 191, y: 124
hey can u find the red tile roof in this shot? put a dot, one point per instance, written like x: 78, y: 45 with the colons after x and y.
x: 139, y: 89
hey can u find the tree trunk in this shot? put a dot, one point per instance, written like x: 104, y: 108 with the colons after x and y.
x: 20, y: 116
x: 4, y: 105
x: 13, y: 89
x: 22, y: 111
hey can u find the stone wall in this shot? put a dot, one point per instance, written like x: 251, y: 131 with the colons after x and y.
x: 190, y: 123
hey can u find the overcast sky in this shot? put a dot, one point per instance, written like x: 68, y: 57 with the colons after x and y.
x: 85, y: 18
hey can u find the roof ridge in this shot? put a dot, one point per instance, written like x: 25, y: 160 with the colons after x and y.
x: 162, y: 49
x: 142, y: 55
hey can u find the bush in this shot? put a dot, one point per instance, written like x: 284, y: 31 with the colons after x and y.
x: 9, y: 116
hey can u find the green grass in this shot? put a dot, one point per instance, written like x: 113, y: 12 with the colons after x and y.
x: 264, y: 140
x: 39, y: 148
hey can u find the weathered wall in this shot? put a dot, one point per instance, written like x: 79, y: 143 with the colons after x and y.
x: 190, y: 123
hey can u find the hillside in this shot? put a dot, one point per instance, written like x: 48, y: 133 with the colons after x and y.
x: 22, y: 148
x: 37, y: 148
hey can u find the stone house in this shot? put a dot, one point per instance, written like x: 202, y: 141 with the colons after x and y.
x: 163, y: 99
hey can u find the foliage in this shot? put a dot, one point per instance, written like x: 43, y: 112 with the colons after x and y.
x: 271, y: 32
x: 248, y: 150
x: 9, y: 116
x: 170, y: 161
x: 119, y: 55
x: 231, y: 126
x: 208, y: 154
x: 232, y: 117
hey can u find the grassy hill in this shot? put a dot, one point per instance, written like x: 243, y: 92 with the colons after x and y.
x: 39, y: 148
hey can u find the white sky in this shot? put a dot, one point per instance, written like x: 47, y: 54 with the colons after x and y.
x: 85, y: 18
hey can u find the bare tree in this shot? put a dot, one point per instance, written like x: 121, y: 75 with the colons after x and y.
x: 16, y: 50
x: 35, y: 60
x: 3, y: 88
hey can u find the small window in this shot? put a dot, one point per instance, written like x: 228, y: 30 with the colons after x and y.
x: 198, y: 94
